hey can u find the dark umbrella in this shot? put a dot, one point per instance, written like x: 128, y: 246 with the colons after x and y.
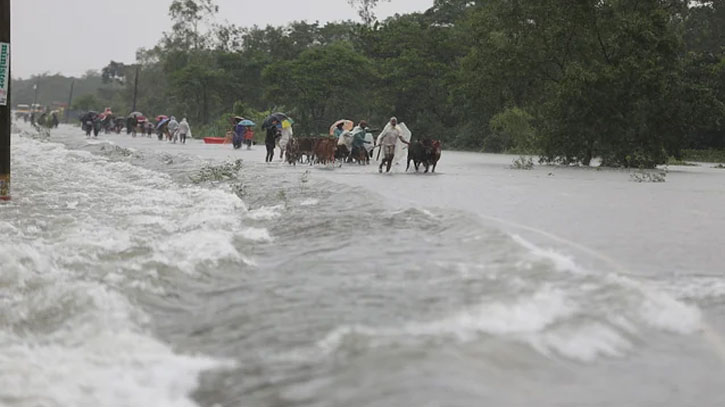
x: 90, y: 115
x: 274, y: 116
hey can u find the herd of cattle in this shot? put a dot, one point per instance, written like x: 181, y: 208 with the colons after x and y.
x: 327, y: 150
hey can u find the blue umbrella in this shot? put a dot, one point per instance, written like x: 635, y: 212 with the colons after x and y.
x: 246, y: 123
x: 161, y: 123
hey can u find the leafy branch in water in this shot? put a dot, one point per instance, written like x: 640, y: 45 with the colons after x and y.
x: 222, y: 172
x: 523, y: 163
x: 648, y: 176
x: 114, y: 150
x: 240, y: 190
x: 304, y: 178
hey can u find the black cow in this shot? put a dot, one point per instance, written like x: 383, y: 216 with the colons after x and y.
x: 426, y: 152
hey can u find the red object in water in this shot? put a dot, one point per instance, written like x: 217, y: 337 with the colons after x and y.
x: 214, y: 140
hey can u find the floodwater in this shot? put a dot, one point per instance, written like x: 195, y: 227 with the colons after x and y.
x: 138, y: 273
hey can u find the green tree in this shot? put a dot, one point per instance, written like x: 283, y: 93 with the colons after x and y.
x: 86, y: 103
x: 323, y: 84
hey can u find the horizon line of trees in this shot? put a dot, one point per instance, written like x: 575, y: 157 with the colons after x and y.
x: 630, y: 82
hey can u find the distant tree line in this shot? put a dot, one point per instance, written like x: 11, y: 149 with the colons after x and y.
x: 630, y: 82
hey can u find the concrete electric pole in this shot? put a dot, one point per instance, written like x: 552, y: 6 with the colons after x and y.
x: 5, y: 100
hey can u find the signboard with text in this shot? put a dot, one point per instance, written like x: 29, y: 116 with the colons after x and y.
x: 4, y: 72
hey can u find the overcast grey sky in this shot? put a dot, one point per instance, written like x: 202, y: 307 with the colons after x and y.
x: 72, y: 36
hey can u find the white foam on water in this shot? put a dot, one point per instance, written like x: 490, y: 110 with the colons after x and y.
x: 525, y: 319
x: 257, y: 234
x: 70, y: 342
x: 68, y: 334
x: 585, y: 343
x: 694, y: 287
x: 266, y: 213
x: 309, y: 202
x: 560, y: 261
x: 564, y: 316
x: 528, y: 314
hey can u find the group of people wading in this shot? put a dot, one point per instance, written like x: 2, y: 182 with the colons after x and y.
x: 359, y: 146
x: 166, y: 128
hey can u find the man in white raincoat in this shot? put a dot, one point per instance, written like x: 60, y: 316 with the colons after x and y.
x: 173, y: 127
x: 345, y: 139
x: 184, y: 130
x: 387, y: 141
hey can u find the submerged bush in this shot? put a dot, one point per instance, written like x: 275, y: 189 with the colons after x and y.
x: 648, y: 176
x: 522, y: 163
x: 226, y: 171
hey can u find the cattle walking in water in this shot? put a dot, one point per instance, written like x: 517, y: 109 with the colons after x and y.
x: 292, y: 151
x: 426, y: 152
x: 325, y: 151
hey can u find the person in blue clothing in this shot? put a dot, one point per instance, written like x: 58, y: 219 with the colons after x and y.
x: 239, y: 130
x: 338, y: 130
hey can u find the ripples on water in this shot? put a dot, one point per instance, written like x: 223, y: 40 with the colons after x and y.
x: 302, y: 292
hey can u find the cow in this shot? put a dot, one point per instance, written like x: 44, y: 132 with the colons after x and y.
x: 342, y: 153
x: 435, y: 154
x: 306, y: 147
x: 292, y: 151
x: 418, y: 154
x: 325, y: 151
x: 426, y: 152
x: 360, y: 155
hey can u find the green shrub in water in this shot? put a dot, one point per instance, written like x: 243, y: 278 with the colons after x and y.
x: 522, y: 163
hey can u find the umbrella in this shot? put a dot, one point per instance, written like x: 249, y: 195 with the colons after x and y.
x: 162, y: 122
x: 280, y: 117
x: 347, y: 125
x: 136, y: 114
x: 246, y: 123
x: 90, y: 115
x: 238, y: 118
x: 161, y: 117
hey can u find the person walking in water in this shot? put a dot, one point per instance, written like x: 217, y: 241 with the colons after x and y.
x: 271, y: 140
x: 339, y: 129
x: 387, y: 140
x: 173, y: 127
x: 248, y: 136
x: 183, y: 130
x: 238, y: 137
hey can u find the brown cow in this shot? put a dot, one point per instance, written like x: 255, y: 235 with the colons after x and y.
x: 435, y: 154
x: 325, y: 151
x: 292, y: 151
x: 307, y: 147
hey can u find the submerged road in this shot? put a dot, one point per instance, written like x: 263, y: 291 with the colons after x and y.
x: 329, y: 286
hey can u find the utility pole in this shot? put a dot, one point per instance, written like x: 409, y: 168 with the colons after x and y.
x: 5, y: 100
x: 70, y: 100
x: 135, y: 89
